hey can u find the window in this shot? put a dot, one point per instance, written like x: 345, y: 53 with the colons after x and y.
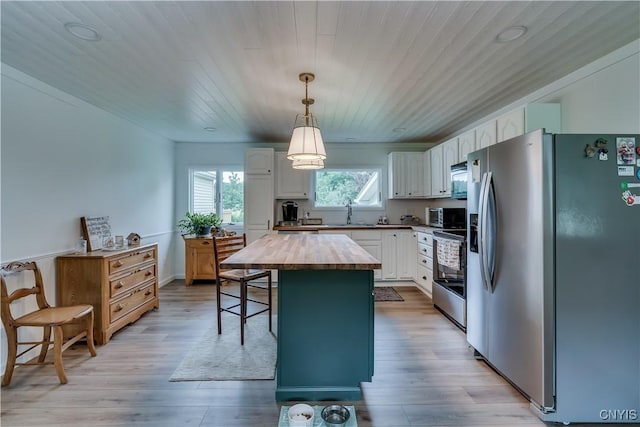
x: 335, y: 187
x: 220, y: 191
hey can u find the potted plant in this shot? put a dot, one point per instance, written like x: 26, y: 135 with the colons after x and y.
x: 198, y: 223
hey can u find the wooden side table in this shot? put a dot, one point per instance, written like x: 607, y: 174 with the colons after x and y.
x: 199, y: 263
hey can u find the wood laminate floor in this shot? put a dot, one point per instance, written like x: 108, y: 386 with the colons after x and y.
x: 425, y: 375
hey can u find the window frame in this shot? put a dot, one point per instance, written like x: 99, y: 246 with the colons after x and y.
x: 374, y: 168
x: 219, y: 170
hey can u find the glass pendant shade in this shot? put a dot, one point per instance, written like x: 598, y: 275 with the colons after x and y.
x: 306, y: 141
x: 308, y: 164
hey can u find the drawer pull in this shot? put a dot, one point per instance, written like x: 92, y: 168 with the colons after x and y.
x: 424, y: 261
x: 147, y: 255
x: 424, y: 250
x: 119, y: 285
x: 148, y: 292
x: 119, y: 307
x: 148, y: 273
x: 205, y: 242
x: 424, y: 277
x: 118, y: 264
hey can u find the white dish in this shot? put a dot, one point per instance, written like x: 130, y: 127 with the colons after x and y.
x: 300, y: 415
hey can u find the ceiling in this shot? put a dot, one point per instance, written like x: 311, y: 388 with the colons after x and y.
x: 385, y: 71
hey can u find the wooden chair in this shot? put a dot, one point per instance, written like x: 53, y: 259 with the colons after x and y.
x: 224, y: 247
x: 46, y: 317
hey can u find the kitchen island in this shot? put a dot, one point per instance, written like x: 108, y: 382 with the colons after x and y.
x: 325, y: 312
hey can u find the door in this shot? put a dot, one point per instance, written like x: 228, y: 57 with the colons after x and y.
x: 258, y: 202
x: 520, y: 226
x: 477, y: 295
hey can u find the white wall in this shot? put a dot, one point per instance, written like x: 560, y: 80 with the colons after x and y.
x: 63, y: 159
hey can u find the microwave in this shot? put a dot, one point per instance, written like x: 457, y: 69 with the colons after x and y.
x: 451, y: 218
x: 459, y: 181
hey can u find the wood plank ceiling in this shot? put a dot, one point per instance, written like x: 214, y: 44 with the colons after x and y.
x: 429, y: 68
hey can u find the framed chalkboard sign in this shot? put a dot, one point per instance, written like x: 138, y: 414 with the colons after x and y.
x: 95, y: 229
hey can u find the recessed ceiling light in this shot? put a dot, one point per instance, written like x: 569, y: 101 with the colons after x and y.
x: 82, y: 31
x: 210, y: 129
x: 511, y: 34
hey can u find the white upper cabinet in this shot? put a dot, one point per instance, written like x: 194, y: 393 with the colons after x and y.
x: 486, y: 135
x: 437, y: 184
x: 510, y: 125
x: 442, y: 157
x: 426, y: 160
x: 290, y: 183
x: 258, y: 161
x: 466, y: 145
x: 533, y: 116
x: 406, y: 175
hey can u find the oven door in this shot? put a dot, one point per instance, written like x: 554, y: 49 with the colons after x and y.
x: 449, y: 274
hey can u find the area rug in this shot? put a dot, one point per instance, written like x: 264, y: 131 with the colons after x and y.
x: 221, y: 357
x: 386, y: 293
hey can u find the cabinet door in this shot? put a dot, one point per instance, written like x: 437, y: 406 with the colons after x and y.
x: 466, y: 145
x: 406, y: 255
x: 258, y: 161
x: 426, y: 162
x: 389, y: 255
x: 396, y: 175
x: 486, y: 135
x: 258, y: 205
x: 414, y: 175
x: 510, y: 125
x: 375, y: 249
x: 449, y: 158
x: 437, y: 186
x: 290, y: 183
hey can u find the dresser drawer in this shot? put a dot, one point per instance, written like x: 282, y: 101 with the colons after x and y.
x: 131, y: 300
x: 131, y: 279
x: 130, y: 259
x: 424, y: 278
x: 200, y: 243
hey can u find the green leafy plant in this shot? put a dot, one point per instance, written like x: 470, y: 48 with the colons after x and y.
x: 198, y: 223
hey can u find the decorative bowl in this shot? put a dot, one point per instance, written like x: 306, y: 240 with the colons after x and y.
x: 335, y: 415
x: 300, y: 415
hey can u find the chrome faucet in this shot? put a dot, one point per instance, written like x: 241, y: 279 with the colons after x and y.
x: 349, y: 211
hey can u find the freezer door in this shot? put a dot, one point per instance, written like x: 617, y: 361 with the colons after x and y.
x: 477, y: 295
x: 522, y: 227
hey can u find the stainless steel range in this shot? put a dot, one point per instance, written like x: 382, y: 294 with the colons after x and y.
x: 449, y: 275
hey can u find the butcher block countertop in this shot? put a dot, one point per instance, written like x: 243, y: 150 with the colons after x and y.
x: 303, y: 252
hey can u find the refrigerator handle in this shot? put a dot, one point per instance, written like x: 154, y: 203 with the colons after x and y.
x: 490, y: 236
x: 482, y: 229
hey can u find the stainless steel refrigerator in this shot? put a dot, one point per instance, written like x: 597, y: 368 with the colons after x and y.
x: 553, y: 271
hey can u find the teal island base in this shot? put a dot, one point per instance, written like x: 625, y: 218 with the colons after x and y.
x: 325, y: 334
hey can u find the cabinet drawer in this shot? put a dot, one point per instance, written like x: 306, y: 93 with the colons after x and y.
x: 130, y: 280
x: 200, y: 244
x: 425, y: 250
x: 425, y: 238
x: 424, y: 277
x: 125, y: 261
x: 425, y: 262
x: 133, y: 299
x: 366, y: 235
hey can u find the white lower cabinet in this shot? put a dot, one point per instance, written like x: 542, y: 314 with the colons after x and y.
x: 424, y: 276
x: 398, y: 262
x: 370, y: 241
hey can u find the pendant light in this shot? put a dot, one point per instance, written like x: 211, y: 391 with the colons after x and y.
x: 308, y: 164
x: 306, y: 142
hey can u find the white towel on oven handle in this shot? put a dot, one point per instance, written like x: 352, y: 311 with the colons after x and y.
x: 449, y: 253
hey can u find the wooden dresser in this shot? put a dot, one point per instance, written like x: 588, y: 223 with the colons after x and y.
x: 198, y: 263
x: 121, y: 285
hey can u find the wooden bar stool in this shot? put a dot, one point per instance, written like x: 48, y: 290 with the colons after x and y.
x: 46, y: 317
x: 224, y: 247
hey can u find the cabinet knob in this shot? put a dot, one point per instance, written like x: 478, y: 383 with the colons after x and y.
x: 119, y: 285
x: 424, y: 277
x: 424, y: 261
x: 206, y: 242
x: 147, y: 255
x: 424, y: 250
x: 148, y: 293
x: 148, y: 273
x: 118, y: 264
x: 119, y: 307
